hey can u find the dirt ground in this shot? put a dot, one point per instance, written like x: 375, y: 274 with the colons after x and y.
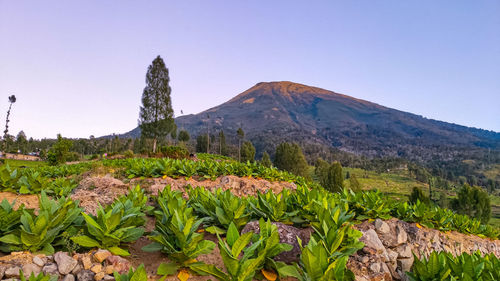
x: 30, y: 201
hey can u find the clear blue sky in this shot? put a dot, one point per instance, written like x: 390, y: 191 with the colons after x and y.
x: 78, y: 67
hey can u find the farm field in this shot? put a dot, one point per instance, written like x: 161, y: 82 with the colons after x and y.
x: 131, y: 207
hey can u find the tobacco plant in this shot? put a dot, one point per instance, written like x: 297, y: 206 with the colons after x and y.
x: 119, y: 223
x: 38, y: 232
x: 40, y: 277
x: 176, y: 233
x: 138, y: 274
x: 219, y: 208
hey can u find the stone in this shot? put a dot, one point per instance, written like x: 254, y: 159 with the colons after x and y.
x: 50, y: 268
x: 2, y: 271
x: 375, y: 267
x: 120, y: 264
x: 288, y: 234
x: 393, y: 255
x: 87, y: 263
x: 77, y: 269
x: 382, y: 227
x: 31, y: 268
x: 12, y: 272
x: 405, y: 264
x: 69, y: 277
x: 108, y: 278
x: 85, y: 275
x: 96, y: 268
x: 365, y: 260
x: 371, y: 240
x: 109, y: 269
x: 404, y: 251
x: 99, y: 276
x: 38, y: 261
x: 65, y: 263
x: 101, y: 255
x: 401, y: 235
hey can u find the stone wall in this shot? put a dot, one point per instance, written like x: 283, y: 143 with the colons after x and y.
x: 389, y: 248
x: 98, y: 265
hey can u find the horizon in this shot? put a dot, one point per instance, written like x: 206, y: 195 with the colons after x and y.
x: 78, y: 68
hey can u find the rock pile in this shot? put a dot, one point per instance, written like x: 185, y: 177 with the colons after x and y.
x: 98, y: 265
x: 390, y: 245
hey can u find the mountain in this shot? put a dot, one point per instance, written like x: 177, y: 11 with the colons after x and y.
x: 271, y: 112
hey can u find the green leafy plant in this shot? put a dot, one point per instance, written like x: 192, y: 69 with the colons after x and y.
x: 219, y: 208
x: 176, y: 233
x: 274, y: 207
x: 138, y: 274
x: 38, y: 232
x: 9, y: 218
x: 445, y: 266
x: 316, y: 265
x: 138, y: 198
x: 113, y: 226
x: 239, y: 258
x: 40, y: 277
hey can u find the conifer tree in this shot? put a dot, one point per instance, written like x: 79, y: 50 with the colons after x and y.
x: 183, y: 136
x: 289, y: 157
x: 266, y: 160
x: 247, y: 152
x: 222, y: 143
x: 241, y: 135
x: 156, y: 114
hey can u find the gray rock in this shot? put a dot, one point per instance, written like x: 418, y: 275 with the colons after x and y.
x: 38, y: 261
x: 50, y: 268
x: 12, y: 272
x: 31, y: 268
x: 401, y: 235
x: 393, y: 255
x: 370, y: 238
x: 288, y: 234
x: 65, y: 263
x: 375, y: 267
x: 69, y: 277
x: 108, y: 278
x: 382, y: 227
x: 404, y: 251
x: 85, y: 275
x: 2, y: 271
x: 404, y: 265
x: 77, y: 269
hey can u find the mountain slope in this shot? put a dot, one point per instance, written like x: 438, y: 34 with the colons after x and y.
x: 277, y: 111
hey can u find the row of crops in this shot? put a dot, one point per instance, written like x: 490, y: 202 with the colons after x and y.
x: 180, y: 224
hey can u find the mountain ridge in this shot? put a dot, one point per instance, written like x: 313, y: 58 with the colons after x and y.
x: 271, y: 112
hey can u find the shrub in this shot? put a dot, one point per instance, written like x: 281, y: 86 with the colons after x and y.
x: 175, y: 152
x: 418, y: 195
x: 128, y: 154
x: 58, y: 153
x: 289, y: 157
x: 474, y: 202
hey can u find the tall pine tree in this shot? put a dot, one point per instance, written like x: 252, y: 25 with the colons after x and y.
x: 156, y: 114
